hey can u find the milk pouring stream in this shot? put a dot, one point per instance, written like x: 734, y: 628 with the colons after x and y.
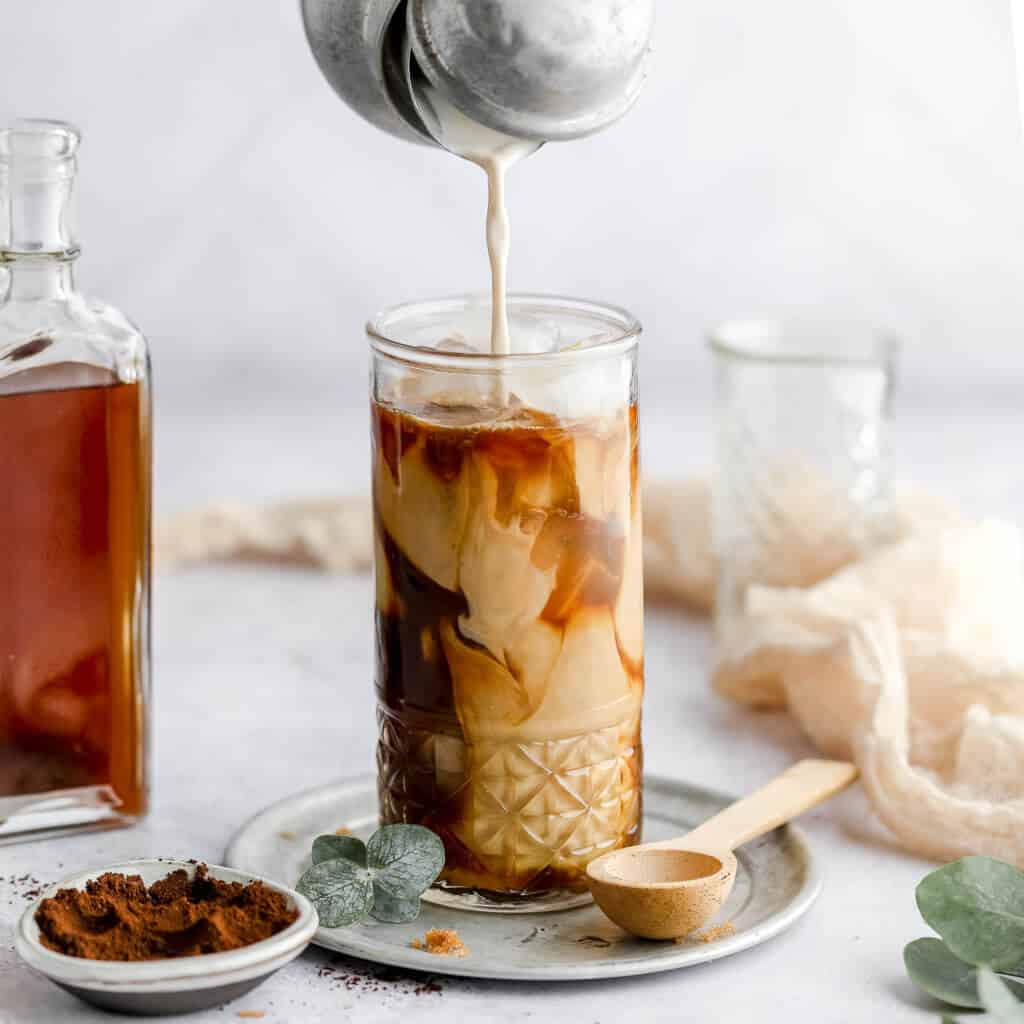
x: 494, y: 153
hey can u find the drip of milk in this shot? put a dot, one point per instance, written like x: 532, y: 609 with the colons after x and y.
x: 495, y: 153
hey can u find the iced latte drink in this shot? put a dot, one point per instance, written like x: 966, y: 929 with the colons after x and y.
x: 509, y: 606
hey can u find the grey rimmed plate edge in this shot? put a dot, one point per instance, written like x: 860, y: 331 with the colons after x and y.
x: 252, y: 848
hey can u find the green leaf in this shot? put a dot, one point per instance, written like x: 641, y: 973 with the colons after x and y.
x: 1001, y: 1005
x: 406, y: 858
x: 341, y: 891
x: 331, y: 847
x: 393, y: 909
x: 977, y: 905
x: 349, y: 880
x: 934, y: 969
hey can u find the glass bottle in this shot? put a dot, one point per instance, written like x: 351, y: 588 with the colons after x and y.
x: 75, y: 482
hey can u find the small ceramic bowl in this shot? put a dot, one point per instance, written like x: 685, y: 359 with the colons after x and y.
x: 176, y: 985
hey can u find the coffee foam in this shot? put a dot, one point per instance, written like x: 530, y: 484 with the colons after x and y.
x: 476, y: 406
x: 573, y: 388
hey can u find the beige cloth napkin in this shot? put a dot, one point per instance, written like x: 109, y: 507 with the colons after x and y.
x: 910, y: 661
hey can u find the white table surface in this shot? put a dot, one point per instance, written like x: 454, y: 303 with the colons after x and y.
x: 249, y: 223
x: 263, y: 688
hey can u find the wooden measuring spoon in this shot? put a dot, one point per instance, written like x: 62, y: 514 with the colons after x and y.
x: 667, y: 889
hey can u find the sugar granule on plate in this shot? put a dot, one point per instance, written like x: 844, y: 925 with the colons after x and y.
x: 441, y: 942
x: 720, y: 931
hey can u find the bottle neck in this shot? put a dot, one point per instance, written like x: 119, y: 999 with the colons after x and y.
x: 37, y: 226
x: 39, y: 278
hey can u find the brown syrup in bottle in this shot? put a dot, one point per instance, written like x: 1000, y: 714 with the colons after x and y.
x: 73, y: 540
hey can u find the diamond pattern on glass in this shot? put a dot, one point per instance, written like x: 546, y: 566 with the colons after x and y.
x: 521, y: 807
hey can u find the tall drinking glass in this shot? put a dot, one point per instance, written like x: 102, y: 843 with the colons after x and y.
x: 509, y: 591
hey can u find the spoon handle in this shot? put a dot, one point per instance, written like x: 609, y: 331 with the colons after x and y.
x: 799, y: 787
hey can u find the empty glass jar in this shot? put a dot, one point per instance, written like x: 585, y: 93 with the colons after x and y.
x: 801, y: 474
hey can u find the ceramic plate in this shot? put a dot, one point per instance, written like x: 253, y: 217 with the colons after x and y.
x: 777, y: 883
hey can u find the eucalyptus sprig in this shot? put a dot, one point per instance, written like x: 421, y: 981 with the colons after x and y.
x: 383, y: 878
x: 976, y: 905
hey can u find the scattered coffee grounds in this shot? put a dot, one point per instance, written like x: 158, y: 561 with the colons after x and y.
x: 26, y: 887
x: 441, y: 942
x: 348, y: 975
x: 117, y: 918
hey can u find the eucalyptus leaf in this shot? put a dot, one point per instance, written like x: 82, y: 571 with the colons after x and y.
x: 331, y: 847
x: 350, y: 881
x: 977, y: 905
x: 1001, y: 1005
x: 934, y: 969
x: 406, y: 858
x: 393, y: 909
x: 341, y: 891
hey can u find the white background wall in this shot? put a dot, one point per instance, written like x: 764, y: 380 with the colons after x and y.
x: 855, y: 156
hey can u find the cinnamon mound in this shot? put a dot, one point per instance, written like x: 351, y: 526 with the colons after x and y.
x: 117, y: 918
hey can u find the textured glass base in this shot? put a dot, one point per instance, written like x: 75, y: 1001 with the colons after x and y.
x: 460, y: 898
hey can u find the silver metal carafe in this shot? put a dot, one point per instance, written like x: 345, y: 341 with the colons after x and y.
x: 533, y: 69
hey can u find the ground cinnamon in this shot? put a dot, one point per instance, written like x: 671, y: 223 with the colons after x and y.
x: 117, y: 918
